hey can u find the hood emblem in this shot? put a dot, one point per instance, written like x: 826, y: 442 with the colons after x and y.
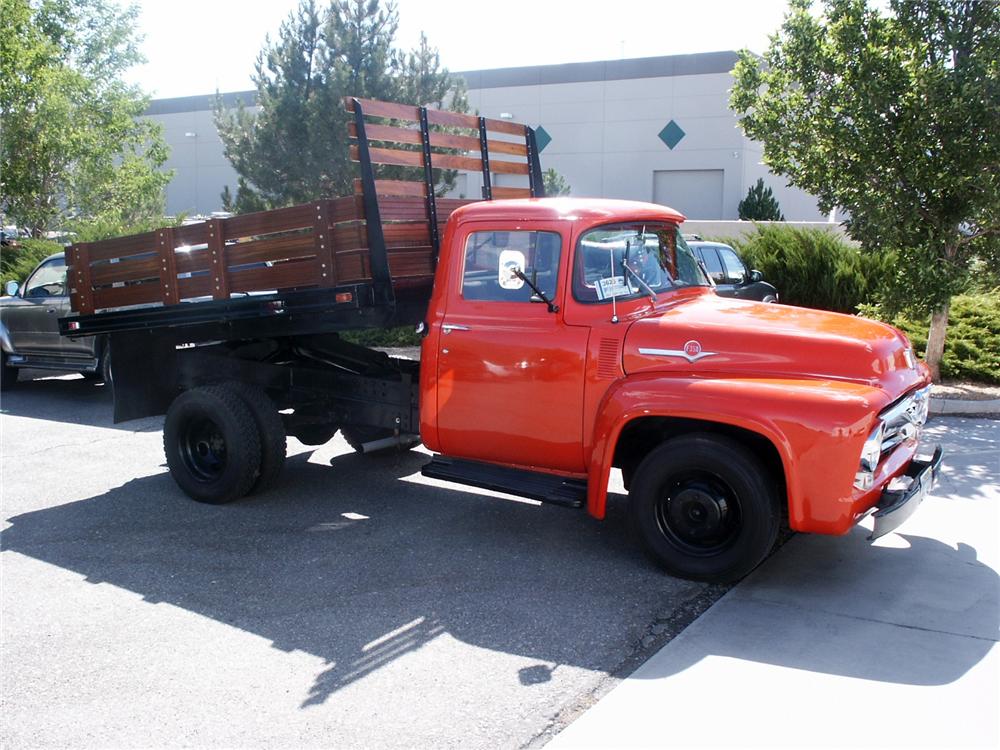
x: 692, y: 352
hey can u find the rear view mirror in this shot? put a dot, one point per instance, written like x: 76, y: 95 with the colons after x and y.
x: 11, y: 288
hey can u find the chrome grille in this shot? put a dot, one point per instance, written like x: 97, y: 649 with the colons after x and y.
x: 904, y: 419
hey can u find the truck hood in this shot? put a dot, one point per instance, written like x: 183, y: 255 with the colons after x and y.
x: 712, y: 334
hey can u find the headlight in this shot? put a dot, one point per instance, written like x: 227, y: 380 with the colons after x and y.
x: 871, y: 452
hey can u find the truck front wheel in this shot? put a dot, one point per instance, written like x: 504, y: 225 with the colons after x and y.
x: 212, y: 444
x: 703, y: 508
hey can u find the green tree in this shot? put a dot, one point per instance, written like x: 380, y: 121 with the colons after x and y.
x: 294, y: 148
x: 760, y: 204
x: 893, y: 117
x: 74, y: 149
x: 554, y: 183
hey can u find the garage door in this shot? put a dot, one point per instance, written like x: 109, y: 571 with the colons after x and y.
x: 696, y: 193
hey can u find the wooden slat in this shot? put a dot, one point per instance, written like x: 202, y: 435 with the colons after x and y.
x: 511, y: 192
x: 391, y: 157
x: 189, y: 261
x: 386, y: 133
x: 452, y: 119
x: 266, y: 222
x: 450, y: 140
x: 351, y: 208
x: 167, y: 263
x: 385, y: 109
x: 394, y: 187
x: 353, y: 265
x: 121, y: 247
x: 276, y: 248
x: 217, y: 259
x: 196, y: 286
x: 506, y: 147
x: 451, y: 161
x: 279, y: 276
x: 105, y: 274
x: 123, y: 296
x: 506, y: 126
x: 412, y: 262
x: 191, y: 234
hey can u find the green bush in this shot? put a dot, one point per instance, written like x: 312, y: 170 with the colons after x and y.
x: 379, y: 337
x: 972, y: 346
x: 17, y: 261
x: 814, y: 267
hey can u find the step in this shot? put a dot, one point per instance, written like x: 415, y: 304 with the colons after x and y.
x: 537, y: 485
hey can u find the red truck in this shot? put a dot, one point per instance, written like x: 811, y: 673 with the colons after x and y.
x: 562, y: 338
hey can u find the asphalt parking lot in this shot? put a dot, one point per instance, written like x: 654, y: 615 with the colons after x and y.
x: 357, y: 604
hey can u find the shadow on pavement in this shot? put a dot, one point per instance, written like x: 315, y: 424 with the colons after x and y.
x: 358, y: 566
x: 69, y: 398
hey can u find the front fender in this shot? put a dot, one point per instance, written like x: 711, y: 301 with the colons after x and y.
x: 816, y: 426
x: 5, y: 341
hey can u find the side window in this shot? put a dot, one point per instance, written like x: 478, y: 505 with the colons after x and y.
x: 736, y: 272
x: 712, y: 264
x: 48, y: 281
x: 491, y: 258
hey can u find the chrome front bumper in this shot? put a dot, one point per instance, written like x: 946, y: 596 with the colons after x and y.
x: 896, y: 505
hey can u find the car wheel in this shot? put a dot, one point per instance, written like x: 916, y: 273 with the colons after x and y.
x: 270, y: 431
x: 704, y: 508
x: 770, y: 298
x: 212, y: 444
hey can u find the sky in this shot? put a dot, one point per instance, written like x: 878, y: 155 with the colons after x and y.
x: 200, y: 46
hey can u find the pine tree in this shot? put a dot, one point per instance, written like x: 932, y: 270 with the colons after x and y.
x: 760, y: 204
x: 295, y: 148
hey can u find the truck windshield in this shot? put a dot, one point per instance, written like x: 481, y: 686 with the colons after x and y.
x: 625, y: 261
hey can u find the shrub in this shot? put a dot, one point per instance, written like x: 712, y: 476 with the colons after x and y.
x: 17, y: 261
x: 379, y: 337
x: 972, y: 348
x: 814, y: 267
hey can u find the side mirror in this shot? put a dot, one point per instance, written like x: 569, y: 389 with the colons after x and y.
x: 11, y: 288
x: 756, y: 276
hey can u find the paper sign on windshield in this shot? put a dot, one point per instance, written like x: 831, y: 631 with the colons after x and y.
x: 613, y: 286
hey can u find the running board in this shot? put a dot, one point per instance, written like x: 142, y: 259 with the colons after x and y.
x: 547, y: 488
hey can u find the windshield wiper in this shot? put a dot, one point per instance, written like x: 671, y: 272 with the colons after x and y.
x: 541, y: 295
x: 646, y: 287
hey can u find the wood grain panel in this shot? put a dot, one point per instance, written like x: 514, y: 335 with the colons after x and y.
x: 267, y: 222
x: 279, y: 276
x: 451, y: 161
x: 195, y: 286
x: 387, y: 133
x: 277, y: 248
x: 191, y: 234
x: 391, y: 157
x: 385, y: 109
x: 189, y: 261
x: 121, y: 247
x: 105, y: 274
x: 511, y: 192
x: 123, y: 296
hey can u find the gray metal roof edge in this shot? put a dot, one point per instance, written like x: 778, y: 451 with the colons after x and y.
x: 702, y: 63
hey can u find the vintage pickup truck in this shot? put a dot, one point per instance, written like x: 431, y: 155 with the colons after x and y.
x: 562, y: 338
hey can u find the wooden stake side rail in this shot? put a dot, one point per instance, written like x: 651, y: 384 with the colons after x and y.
x: 387, y: 234
x: 315, y: 245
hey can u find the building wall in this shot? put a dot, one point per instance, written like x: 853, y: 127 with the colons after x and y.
x: 604, y: 121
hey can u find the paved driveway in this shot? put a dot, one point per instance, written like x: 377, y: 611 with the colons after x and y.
x: 356, y: 605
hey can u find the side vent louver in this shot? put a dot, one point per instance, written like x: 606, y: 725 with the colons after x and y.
x: 608, y: 365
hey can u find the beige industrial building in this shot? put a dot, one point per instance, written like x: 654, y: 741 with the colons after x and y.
x: 652, y: 129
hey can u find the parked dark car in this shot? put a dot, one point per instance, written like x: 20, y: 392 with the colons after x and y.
x: 729, y: 272
x: 29, y: 329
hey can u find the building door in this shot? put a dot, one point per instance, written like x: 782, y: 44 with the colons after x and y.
x: 696, y: 193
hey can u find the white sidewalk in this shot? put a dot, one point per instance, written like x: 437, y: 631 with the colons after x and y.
x: 835, y: 642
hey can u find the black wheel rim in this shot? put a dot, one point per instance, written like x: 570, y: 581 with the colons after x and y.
x: 699, y: 513
x: 203, y: 449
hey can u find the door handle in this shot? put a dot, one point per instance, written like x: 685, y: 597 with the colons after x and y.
x: 449, y: 327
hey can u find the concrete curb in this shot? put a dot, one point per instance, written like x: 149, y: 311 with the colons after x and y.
x: 945, y: 406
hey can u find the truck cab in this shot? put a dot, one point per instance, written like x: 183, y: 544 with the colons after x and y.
x: 567, y: 337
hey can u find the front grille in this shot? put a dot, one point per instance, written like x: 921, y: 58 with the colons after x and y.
x: 904, y: 419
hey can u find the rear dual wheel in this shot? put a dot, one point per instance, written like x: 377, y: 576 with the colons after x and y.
x: 223, y: 442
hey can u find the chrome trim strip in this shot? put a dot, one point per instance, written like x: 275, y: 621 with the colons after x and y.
x: 676, y: 353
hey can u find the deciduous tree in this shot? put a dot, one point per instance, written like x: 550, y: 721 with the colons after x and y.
x: 74, y: 148
x: 891, y: 115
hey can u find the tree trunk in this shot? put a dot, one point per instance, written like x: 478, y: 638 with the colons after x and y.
x: 935, y: 340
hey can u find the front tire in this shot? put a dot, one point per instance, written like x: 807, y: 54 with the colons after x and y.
x: 212, y: 445
x: 704, y: 508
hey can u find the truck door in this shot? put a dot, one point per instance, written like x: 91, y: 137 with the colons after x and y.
x: 510, y: 372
